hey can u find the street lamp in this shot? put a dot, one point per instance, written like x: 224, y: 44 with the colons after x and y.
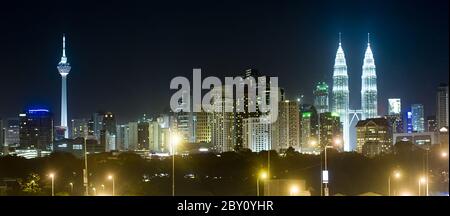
x: 262, y: 175
x: 111, y: 177
x: 336, y: 142
x: 422, y: 180
x: 293, y: 190
x: 95, y: 191
x: 52, y: 176
x: 396, y: 175
x: 174, y: 140
x: 444, y: 154
x: 85, y: 171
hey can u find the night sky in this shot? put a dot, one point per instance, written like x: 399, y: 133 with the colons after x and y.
x: 123, y: 55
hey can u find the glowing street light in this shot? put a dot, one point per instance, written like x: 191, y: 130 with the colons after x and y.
x: 422, y: 180
x: 52, y: 176
x: 396, y: 174
x: 111, y: 177
x: 337, y: 142
x: 262, y: 175
x: 313, y: 142
x: 293, y: 190
x: 95, y: 191
x: 444, y: 154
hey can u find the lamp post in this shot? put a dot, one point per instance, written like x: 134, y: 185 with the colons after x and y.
x: 85, y: 171
x: 336, y: 142
x: 174, y: 139
x: 397, y: 175
x: 52, y: 176
x: 427, y: 167
x: 111, y: 177
x: 262, y: 176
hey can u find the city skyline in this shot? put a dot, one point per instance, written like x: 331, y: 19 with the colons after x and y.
x: 90, y: 83
x: 224, y: 98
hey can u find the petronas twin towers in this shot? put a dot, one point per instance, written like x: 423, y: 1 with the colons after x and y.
x: 341, y: 91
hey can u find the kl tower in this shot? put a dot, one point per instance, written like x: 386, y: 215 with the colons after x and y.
x: 64, y: 69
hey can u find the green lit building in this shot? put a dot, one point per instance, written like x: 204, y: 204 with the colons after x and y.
x: 321, y: 97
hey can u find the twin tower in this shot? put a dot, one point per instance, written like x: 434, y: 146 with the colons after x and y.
x: 340, y: 94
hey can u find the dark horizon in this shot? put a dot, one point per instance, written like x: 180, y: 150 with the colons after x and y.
x: 123, y: 55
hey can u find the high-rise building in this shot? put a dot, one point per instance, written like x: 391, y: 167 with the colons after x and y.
x: 395, y: 107
x: 64, y: 69
x: 288, y: 124
x: 155, y: 136
x: 309, y: 131
x: 374, y: 136
x: 96, y: 124
x: 431, y: 124
x: 12, y: 132
x: 369, y: 104
x: 2, y: 138
x: 183, y: 125
x: 321, y: 97
x: 341, y: 93
x: 143, y: 134
x: 395, y: 122
x: 79, y: 128
x: 222, y: 122
x: 330, y: 130
x: 109, y: 123
x: 36, y: 129
x: 132, y: 136
x: 442, y: 106
x: 394, y: 116
x: 409, y: 122
x: 104, y: 127
x: 418, y: 119
x: 257, y: 134
x: 123, y: 132
x: 110, y: 141
x: 202, y: 127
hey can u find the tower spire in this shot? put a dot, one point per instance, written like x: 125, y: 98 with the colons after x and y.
x: 368, y: 38
x: 63, y: 57
x: 339, y: 38
x: 64, y: 45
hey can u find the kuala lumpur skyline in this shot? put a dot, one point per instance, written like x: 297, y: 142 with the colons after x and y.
x: 95, y: 72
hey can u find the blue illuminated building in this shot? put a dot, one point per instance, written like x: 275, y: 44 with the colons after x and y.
x: 36, y: 129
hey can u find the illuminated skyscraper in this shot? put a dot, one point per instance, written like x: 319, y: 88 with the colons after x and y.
x: 395, y: 107
x: 288, y: 124
x: 341, y: 93
x: 321, y: 97
x: 442, y: 106
x: 418, y: 119
x: 64, y: 69
x: 36, y: 129
x: 394, y: 116
x: 369, y: 85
